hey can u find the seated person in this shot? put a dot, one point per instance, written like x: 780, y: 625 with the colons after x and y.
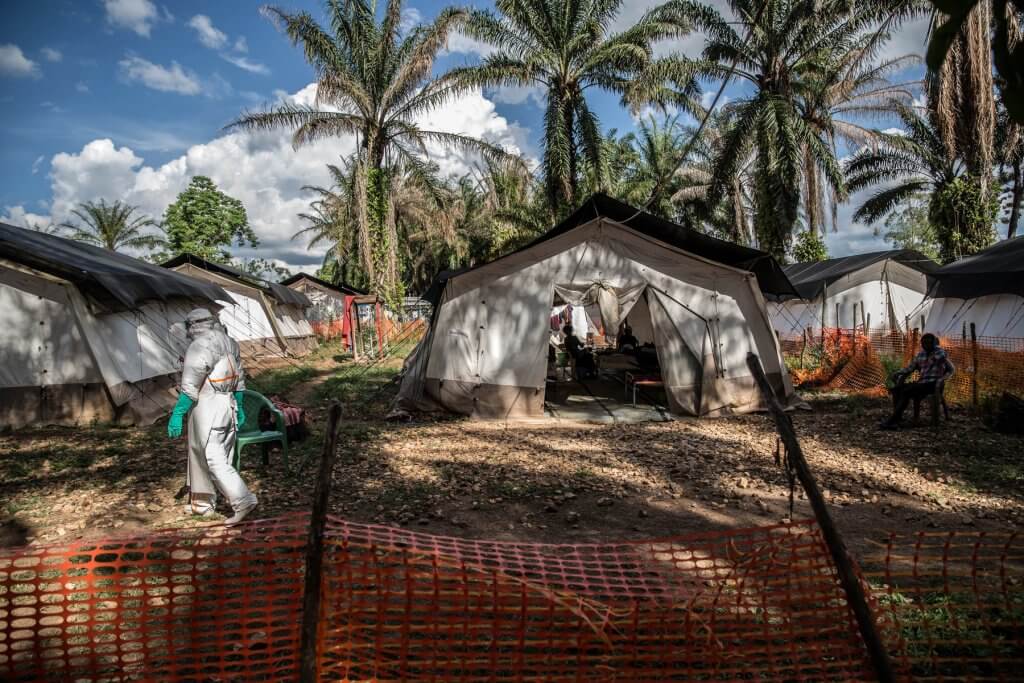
x: 626, y: 341
x: 585, y: 365
x: 933, y: 366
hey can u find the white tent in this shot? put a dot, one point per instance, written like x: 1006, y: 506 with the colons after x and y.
x: 986, y: 290
x: 882, y: 289
x: 88, y: 333
x: 264, y: 318
x: 485, y: 353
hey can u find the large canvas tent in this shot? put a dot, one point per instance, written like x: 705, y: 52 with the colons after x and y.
x: 485, y: 353
x: 330, y: 313
x: 887, y: 286
x: 986, y: 289
x: 265, y: 318
x: 88, y: 334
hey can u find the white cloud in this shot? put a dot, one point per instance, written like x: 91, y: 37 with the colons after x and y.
x: 166, y: 79
x: 518, y: 94
x: 134, y: 15
x: 246, y: 63
x: 259, y: 168
x: 241, y: 45
x: 13, y: 62
x: 462, y: 44
x: 51, y: 55
x: 894, y: 131
x: 81, y: 87
x: 209, y: 35
x: 20, y: 216
x: 37, y: 163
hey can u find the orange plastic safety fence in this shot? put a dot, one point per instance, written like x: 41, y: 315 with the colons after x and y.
x: 218, y: 605
x: 199, y: 605
x: 406, y: 606
x: 849, y: 360
x: 952, y: 604
x: 329, y: 329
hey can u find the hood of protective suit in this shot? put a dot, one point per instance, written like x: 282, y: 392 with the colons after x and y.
x: 200, y: 321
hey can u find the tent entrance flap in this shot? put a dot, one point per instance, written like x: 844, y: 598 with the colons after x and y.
x: 612, y: 303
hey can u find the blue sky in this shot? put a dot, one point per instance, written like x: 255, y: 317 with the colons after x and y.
x: 126, y: 99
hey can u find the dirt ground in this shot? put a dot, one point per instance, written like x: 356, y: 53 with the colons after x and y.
x: 540, y: 482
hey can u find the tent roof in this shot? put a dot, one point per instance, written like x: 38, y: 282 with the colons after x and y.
x: 280, y: 293
x: 996, y: 270
x: 811, y: 278
x: 770, y: 277
x: 343, y: 288
x: 115, y: 280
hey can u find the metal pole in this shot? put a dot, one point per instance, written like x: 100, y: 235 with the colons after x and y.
x: 315, y: 550
x: 844, y: 565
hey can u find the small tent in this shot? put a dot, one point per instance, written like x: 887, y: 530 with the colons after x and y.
x: 265, y: 318
x: 331, y: 311
x: 88, y: 334
x: 986, y: 289
x: 887, y: 286
x: 699, y: 298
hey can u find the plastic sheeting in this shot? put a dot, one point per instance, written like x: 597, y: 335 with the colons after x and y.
x: 1000, y: 315
x: 996, y: 270
x: 114, y: 280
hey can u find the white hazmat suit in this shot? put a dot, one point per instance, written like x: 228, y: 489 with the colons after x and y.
x: 211, y: 373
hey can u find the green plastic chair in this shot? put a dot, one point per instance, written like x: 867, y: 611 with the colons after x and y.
x: 250, y: 433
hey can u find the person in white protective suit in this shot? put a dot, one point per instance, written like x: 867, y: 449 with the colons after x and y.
x: 212, y: 381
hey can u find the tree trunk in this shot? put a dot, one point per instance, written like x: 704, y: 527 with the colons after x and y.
x: 1015, y: 198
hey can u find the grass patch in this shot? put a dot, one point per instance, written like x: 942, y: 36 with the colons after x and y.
x: 360, y: 386
x: 280, y: 380
x: 942, y: 626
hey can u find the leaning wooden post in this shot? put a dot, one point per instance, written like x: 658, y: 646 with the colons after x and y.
x: 867, y: 333
x: 844, y: 565
x: 974, y: 368
x: 315, y: 550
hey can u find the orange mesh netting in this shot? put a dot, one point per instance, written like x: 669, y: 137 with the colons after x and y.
x: 952, y: 604
x: 849, y: 360
x: 218, y: 605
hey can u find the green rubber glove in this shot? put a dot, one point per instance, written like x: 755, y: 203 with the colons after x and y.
x: 181, y: 408
x: 241, y: 410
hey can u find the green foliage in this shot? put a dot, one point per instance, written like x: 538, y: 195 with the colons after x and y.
x: 963, y: 213
x: 111, y: 226
x: 567, y: 48
x: 204, y: 221
x: 263, y: 269
x: 809, y: 247
x: 908, y: 227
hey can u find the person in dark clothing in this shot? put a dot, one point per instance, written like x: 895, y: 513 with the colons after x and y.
x: 627, y: 342
x: 585, y: 365
x: 933, y: 365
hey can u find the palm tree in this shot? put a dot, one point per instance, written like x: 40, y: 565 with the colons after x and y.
x: 373, y: 82
x: 111, y: 226
x: 778, y: 48
x: 331, y: 220
x: 855, y: 86
x: 729, y: 213
x: 916, y: 166
x: 566, y: 47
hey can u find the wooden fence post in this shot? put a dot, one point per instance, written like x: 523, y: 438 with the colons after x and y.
x: 844, y: 566
x: 315, y: 550
x: 867, y: 332
x: 974, y: 368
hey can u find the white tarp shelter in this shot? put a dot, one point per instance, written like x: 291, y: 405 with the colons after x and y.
x: 986, y: 289
x: 88, y: 333
x: 888, y: 286
x: 485, y: 353
x: 263, y: 317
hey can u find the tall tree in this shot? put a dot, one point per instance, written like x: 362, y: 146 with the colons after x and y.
x: 204, y: 221
x: 778, y: 47
x: 566, y: 47
x: 114, y: 226
x: 374, y: 81
x: 917, y: 166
